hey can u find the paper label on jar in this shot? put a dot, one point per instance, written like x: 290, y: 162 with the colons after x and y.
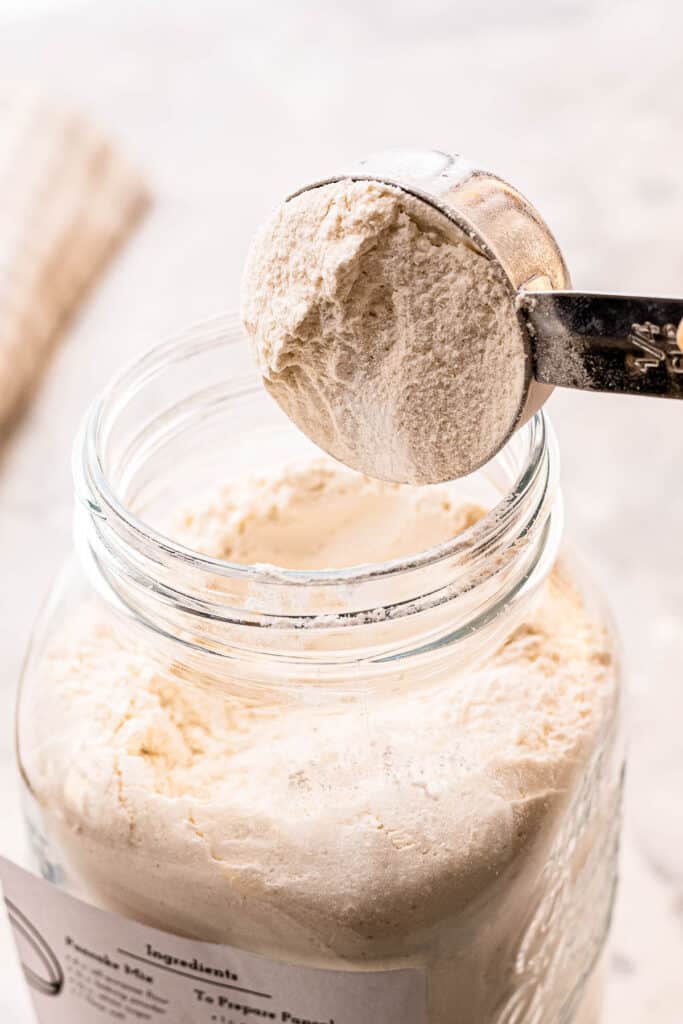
x: 85, y: 965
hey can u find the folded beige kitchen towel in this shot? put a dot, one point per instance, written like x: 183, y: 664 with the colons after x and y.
x: 67, y: 201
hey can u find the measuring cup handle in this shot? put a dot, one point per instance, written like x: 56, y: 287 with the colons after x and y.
x: 617, y: 343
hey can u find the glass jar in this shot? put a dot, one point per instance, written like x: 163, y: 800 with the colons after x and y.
x: 414, y: 764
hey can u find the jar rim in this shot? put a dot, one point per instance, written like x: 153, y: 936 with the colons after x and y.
x: 95, y: 489
x: 469, y: 590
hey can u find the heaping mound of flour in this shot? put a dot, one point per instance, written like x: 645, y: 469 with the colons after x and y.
x: 395, y: 348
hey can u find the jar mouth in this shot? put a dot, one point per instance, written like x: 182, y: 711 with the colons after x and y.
x: 94, y: 486
x: 170, y: 418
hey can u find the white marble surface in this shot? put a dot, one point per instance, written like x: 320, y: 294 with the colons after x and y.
x: 227, y: 105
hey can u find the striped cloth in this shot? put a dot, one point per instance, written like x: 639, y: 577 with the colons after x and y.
x: 67, y: 201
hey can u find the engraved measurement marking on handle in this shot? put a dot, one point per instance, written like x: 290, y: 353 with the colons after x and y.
x: 658, y: 345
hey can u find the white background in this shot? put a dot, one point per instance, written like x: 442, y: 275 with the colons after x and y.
x: 227, y: 106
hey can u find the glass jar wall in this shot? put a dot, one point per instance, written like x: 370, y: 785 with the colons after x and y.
x: 414, y: 761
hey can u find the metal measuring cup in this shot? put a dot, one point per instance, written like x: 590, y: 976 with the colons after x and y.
x: 587, y: 340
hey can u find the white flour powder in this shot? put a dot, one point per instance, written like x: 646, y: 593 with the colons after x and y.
x: 394, y: 347
x: 445, y: 827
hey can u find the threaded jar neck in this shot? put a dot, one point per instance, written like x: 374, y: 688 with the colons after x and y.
x: 183, y: 415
